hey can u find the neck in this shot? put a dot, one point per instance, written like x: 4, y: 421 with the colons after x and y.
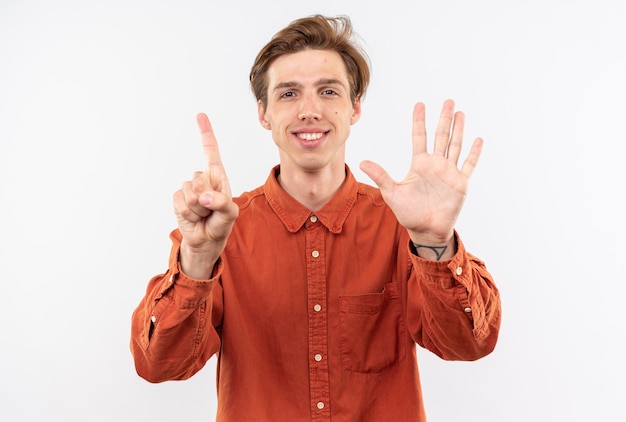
x: 313, y: 189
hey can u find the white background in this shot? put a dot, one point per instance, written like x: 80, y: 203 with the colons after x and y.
x: 97, y: 130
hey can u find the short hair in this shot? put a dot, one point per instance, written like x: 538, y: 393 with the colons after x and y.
x: 316, y: 32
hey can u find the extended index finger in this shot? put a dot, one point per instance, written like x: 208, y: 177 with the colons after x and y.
x: 209, y: 143
x: 419, y: 129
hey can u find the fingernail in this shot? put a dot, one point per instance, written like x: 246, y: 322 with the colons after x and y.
x: 205, y: 199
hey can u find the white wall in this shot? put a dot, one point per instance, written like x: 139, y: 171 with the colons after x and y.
x: 97, y: 130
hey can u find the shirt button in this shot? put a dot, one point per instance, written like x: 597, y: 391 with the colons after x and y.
x: 315, y: 254
x: 468, y: 309
x: 459, y: 270
x: 153, y: 318
x: 318, y: 357
x: 313, y: 219
x: 317, y: 307
x: 320, y: 405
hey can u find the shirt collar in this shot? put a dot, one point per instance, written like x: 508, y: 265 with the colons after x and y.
x: 294, y: 215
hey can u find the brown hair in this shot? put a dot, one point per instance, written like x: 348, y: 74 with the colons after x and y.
x: 315, y: 32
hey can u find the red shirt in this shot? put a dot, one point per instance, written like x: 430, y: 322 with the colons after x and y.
x: 315, y: 316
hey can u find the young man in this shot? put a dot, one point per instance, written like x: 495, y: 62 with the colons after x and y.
x: 314, y: 289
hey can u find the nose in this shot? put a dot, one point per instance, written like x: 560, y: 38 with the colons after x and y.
x: 309, y: 108
x: 309, y: 115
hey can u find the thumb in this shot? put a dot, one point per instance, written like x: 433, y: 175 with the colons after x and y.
x: 377, y: 174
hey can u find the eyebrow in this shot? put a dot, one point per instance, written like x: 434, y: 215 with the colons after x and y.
x: 319, y: 82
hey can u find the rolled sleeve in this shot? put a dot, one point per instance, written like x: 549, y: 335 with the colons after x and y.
x: 456, y: 310
x: 173, y: 332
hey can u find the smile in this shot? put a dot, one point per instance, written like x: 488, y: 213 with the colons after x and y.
x: 310, y: 136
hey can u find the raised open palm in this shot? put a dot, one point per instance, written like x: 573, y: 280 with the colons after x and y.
x: 430, y: 197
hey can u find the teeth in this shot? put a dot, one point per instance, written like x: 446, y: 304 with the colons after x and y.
x: 310, y: 136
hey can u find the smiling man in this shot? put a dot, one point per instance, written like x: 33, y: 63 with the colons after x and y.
x: 314, y: 289
x: 309, y: 111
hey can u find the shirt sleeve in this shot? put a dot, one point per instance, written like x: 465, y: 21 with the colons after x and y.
x: 175, y: 327
x: 453, y: 306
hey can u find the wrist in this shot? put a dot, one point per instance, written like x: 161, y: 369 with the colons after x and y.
x: 434, y: 249
x: 197, y: 263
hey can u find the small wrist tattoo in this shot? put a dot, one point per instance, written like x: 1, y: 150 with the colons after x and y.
x: 438, y: 250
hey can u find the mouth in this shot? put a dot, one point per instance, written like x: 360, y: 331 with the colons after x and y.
x: 310, y: 136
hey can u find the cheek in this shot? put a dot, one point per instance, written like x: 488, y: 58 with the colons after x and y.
x: 345, y: 116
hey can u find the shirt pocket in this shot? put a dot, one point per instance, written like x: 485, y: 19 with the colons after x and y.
x: 372, y: 330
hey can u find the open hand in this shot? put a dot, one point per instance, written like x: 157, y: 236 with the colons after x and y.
x: 429, y: 199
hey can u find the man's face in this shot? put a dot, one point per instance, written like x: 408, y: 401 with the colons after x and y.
x: 309, y: 109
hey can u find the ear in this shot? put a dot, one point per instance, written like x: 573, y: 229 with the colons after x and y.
x: 356, y: 111
x: 261, y: 113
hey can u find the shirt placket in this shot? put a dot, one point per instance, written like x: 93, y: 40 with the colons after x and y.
x: 318, y: 327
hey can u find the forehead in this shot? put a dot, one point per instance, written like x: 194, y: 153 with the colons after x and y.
x: 307, y: 66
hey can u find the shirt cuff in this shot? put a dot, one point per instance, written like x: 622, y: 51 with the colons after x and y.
x: 447, y: 272
x: 190, y: 292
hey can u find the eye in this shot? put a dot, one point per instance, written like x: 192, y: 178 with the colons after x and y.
x: 287, y: 94
x: 329, y: 92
